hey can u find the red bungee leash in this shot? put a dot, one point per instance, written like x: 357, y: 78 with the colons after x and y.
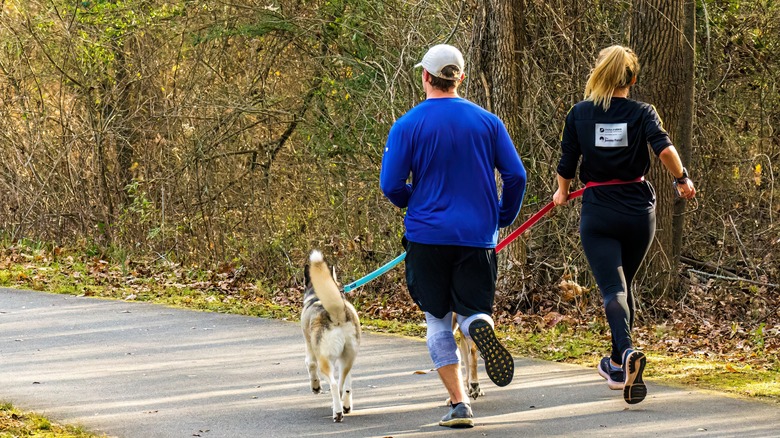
x: 538, y: 215
x: 532, y: 221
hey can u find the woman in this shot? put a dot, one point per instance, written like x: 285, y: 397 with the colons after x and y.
x: 610, y: 133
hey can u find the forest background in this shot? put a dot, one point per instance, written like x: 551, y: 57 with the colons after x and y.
x: 210, y: 145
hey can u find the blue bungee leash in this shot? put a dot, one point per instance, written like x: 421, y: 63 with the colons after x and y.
x: 386, y: 267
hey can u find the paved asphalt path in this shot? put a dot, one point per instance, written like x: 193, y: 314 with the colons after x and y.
x: 138, y: 370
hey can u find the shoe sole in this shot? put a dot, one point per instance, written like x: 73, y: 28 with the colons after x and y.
x: 458, y: 423
x: 499, y: 365
x: 634, y: 390
x: 610, y: 383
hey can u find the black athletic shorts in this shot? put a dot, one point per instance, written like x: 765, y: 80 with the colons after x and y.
x: 444, y: 278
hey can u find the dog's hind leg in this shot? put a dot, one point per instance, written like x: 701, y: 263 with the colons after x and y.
x: 314, y: 372
x: 345, y: 387
x: 327, y: 370
x: 474, y: 389
x: 468, y: 354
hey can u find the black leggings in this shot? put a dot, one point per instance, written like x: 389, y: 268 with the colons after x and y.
x: 615, y: 245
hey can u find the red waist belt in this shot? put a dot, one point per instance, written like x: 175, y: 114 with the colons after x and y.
x: 611, y: 182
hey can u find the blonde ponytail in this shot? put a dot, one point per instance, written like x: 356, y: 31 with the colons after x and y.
x: 616, y: 67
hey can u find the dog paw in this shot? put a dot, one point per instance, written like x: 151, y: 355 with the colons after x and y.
x: 475, y: 391
x: 338, y: 417
x: 347, y: 409
x: 317, y: 390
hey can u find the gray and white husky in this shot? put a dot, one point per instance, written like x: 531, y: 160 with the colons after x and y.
x: 331, y: 329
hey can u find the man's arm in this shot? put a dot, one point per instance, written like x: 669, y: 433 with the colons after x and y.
x: 396, y: 165
x: 514, y: 177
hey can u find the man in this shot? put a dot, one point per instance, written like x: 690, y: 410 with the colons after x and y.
x: 452, y: 148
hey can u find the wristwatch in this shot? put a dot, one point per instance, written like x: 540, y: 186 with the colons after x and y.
x: 684, y: 178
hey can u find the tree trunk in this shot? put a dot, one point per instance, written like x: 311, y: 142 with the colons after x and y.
x: 662, y: 34
x: 127, y: 137
x: 494, y: 63
x: 494, y: 66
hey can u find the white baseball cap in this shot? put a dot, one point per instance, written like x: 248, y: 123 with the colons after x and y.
x: 440, y: 56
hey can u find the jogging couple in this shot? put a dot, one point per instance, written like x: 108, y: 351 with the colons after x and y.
x: 451, y: 149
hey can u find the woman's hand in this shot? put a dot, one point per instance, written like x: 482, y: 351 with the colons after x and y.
x: 687, y: 190
x: 561, y: 197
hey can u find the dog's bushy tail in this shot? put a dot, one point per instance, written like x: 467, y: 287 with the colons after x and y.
x: 326, y: 288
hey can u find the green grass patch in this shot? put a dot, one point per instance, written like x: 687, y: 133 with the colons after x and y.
x: 715, y: 375
x: 409, y: 329
x: 561, y: 343
x: 16, y: 424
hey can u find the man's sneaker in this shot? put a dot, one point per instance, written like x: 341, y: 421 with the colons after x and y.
x: 634, y: 389
x: 614, y: 376
x: 499, y: 365
x: 459, y: 416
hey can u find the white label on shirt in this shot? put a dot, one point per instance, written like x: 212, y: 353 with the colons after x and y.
x: 611, y: 135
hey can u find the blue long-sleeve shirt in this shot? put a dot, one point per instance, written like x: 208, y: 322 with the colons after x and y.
x: 452, y: 148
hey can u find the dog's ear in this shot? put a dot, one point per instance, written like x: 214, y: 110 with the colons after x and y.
x: 306, y: 276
